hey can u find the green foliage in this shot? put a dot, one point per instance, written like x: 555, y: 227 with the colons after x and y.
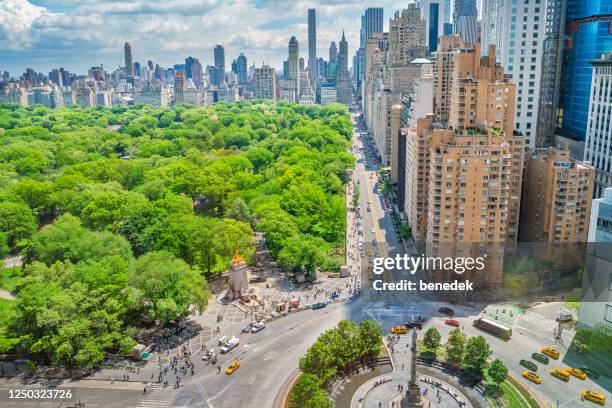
x: 497, y: 371
x: 477, y: 351
x: 432, y: 339
x: 455, y: 346
x: 308, y: 391
x: 339, y: 347
x: 170, y: 193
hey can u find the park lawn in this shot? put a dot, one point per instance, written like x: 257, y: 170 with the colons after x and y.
x: 427, y: 353
x: 11, y: 278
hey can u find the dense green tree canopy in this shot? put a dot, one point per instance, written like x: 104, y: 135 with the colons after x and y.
x: 119, y: 212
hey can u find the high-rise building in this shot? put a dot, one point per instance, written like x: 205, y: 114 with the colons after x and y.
x: 218, y: 71
x: 518, y: 35
x: 179, y: 87
x: 557, y: 194
x: 588, y: 23
x: 313, y: 66
x: 265, y: 83
x: 333, y: 52
x: 465, y: 17
x: 293, y: 66
x: 129, y: 63
x: 241, y: 65
x: 188, y: 63
x: 327, y: 93
x: 598, y: 149
x: 471, y: 91
x: 596, y: 305
x: 197, y: 73
x: 371, y: 22
x: 433, y: 12
x: 343, y: 55
x: 407, y: 34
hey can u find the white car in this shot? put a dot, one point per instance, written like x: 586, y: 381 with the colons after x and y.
x: 210, y: 353
x: 230, y: 345
x: 259, y: 326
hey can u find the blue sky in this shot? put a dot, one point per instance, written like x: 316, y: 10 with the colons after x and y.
x: 78, y: 34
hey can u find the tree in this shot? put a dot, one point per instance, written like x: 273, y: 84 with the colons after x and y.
x: 498, y: 372
x: 318, y: 400
x: 301, y: 253
x: 370, y: 337
x: 319, y: 360
x: 432, y: 339
x: 455, y: 346
x: 17, y: 222
x: 239, y: 211
x: 304, y: 389
x: 164, y: 287
x: 477, y: 351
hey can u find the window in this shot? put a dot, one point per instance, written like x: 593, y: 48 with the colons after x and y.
x: 608, y: 315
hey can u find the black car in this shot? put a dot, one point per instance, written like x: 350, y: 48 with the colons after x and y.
x: 530, y: 365
x: 540, y: 357
x: 447, y: 311
x: 590, y: 372
x: 414, y: 325
x: 319, y: 305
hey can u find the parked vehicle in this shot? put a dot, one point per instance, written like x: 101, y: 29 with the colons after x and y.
x: 590, y: 372
x: 594, y: 397
x: 319, y: 305
x: 222, y: 340
x: 230, y: 345
x: 529, y: 365
x: 399, y: 330
x: 551, y: 352
x: 452, y: 322
x: 257, y: 327
x: 577, y: 373
x: 208, y: 354
x: 247, y: 328
x: 561, y: 374
x: 414, y: 325
x: 532, y: 377
x: 493, y: 327
x: 540, y: 357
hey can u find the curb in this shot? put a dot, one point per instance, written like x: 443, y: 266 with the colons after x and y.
x: 283, y: 395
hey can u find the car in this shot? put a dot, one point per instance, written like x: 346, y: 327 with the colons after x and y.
x: 368, y: 209
x: 247, y: 328
x: 551, y: 352
x: 577, y: 373
x: 318, y: 305
x: 452, y: 322
x: 229, y: 345
x: 530, y: 365
x: 531, y: 376
x: 447, y: 311
x: 594, y: 397
x: 373, y: 230
x: 399, y: 330
x: 209, y: 354
x: 540, y: 357
x: 561, y: 374
x: 414, y: 325
x: 232, y: 367
x: 590, y: 372
x: 222, y: 340
x: 257, y: 327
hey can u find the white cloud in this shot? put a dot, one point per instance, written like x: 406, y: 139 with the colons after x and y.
x: 80, y: 33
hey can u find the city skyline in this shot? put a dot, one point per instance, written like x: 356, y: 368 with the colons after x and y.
x: 47, y: 34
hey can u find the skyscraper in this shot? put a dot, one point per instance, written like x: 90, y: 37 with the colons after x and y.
x: 188, y: 63
x: 519, y: 49
x: 588, y: 22
x: 333, y: 52
x: 218, y: 70
x: 294, y: 67
x: 129, y: 64
x: 343, y: 55
x: 197, y: 72
x: 406, y: 36
x: 312, y: 44
x: 265, y: 83
x: 242, y: 71
x: 372, y: 22
x: 598, y: 149
x: 465, y: 20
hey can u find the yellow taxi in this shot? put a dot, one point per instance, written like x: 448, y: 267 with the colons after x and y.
x: 531, y: 376
x: 577, y: 373
x: 232, y: 367
x: 561, y: 374
x: 593, y: 396
x: 399, y: 330
x: 551, y: 352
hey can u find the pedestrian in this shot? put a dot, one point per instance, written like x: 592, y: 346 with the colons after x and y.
x: 144, y: 391
x: 218, y: 369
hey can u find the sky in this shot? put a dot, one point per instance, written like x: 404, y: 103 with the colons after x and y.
x: 79, y: 34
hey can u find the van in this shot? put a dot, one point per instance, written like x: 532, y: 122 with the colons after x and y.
x: 593, y: 396
x: 561, y: 374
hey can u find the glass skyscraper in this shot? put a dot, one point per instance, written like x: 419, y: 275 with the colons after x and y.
x: 590, y: 35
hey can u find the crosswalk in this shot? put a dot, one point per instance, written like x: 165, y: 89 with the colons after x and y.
x: 531, y: 319
x: 159, y: 397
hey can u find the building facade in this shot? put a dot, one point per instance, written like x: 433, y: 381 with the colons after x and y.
x: 265, y: 83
